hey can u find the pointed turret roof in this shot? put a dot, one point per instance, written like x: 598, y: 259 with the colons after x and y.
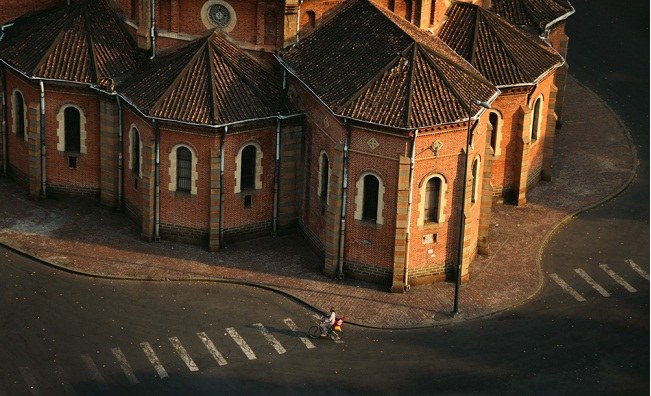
x: 366, y: 63
x: 506, y: 55
x: 84, y: 42
x: 536, y: 14
x: 210, y: 81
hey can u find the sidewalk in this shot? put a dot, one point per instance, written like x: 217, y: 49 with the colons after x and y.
x: 593, y: 161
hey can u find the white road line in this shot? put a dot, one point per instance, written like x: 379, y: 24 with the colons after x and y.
x: 94, y: 372
x: 183, y: 354
x: 29, y: 380
x: 592, y: 282
x: 62, y: 378
x: 617, y: 278
x: 124, y: 364
x: 637, y: 269
x: 270, y: 338
x: 292, y: 326
x: 153, y: 359
x: 567, y: 288
x: 241, y: 343
x: 212, y: 349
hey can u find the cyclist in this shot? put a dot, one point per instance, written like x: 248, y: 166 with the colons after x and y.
x: 328, y: 322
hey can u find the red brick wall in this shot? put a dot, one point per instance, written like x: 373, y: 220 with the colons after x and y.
x: 132, y: 196
x: 11, y: 9
x: 538, y: 148
x: 17, y: 148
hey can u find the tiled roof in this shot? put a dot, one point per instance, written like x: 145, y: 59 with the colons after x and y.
x: 532, y: 13
x: 210, y: 81
x: 368, y: 64
x: 84, y: 42
x: 504, y: 54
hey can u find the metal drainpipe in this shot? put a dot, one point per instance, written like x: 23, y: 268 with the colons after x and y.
x: 153, y: 29
x: 157, y: 183
x: 344, y: 193
x: 4, y: 124
x: 276, y: 179
x: 298, y: 21
x: 120, y: 154
x: 43, y: 157
x: 221, y: 187
x: 409, y: 200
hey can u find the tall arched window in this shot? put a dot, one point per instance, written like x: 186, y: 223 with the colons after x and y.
x: 492, y: 119
x: 475, y: 180
x: 270, y: 27
x: 432, y: 200
x: 72, y: 130
x: 19, y: 115
x: 247, y: 171
x: 135, y: 151
x: 324, y: 166
x: 311, y: 19
x: 535, y: 122
x: 370, y: 199
x: 183, y: 169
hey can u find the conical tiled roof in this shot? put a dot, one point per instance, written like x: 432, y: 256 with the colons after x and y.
x: 210, y: 81
x: 537, y: 14
x: 84, y: 42
x: 368, y: 64
x: 506, y: 55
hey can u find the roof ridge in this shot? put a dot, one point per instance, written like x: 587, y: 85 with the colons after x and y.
x: 91, y: 47
x: 67, y: 22
x: 410, y: 83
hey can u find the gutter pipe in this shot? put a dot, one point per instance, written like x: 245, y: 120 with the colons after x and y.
x: 276, y: 180
x: 120, y: 155
x: 157, y: 184
x: 221, y: 187
x: 152, y: 31
x: 4, y: 124
x: 43, y: 153
x: 344, y: 193
x: 409, y: 201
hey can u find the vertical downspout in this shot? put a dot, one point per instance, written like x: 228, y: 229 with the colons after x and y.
x: 120, y: 155
x: 4, y: 124
x: 43, y: 167
x: 153, y: 29
x: 344, y: 193
x: 221, y: 187
x: 298, y: 22
x: 157, y: 183
x: 276, y: 179
x: 409, y: 200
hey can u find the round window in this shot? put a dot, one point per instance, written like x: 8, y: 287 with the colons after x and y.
x: 218, y: 14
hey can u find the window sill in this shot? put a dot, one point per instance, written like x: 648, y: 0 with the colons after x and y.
x: 368, y: 224
x: 430, y: 226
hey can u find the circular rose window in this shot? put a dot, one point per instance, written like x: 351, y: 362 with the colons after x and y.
x: 218, y: 14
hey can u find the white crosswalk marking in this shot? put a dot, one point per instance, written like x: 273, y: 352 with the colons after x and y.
x: 124, y: 365
x: 292, y: 326
x: 567, y: 288
x: 617, y: 278
x: 212, y: 349
x: 62, y: 378
x: 592, y: 282
x: 241, y: 343
x: 637, y: 269
x: 29, y: 380
x: 270, y: 338
x: 153, y: 359
x: 183, y: 354
x: 94, y: 372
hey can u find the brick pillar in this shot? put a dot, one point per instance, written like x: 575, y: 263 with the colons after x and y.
x: 486, y: 199
x: 4, y: 127
x: 175, y: 12
x: 34, y: 150
x: 333, y: 214
x: 143, y: 34
x: 550, y: 135
x: 527, y: 119
x: 290, y: 22
x: 108, y: 138
x: 215, y: 195
x: 560, y: 80
x: 400, y: 248
x: 290, y: 152
x: 148, y: 191
x: 467, y: 249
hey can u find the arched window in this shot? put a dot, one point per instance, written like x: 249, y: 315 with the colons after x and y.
x: 475, y: 180
x: 311, y: 19
x: 270, y: 27
x: 247, y: 170
x: 370, y: 200
x: 432, y: 200
x: 135, y: 151
x: 535, y: 122
x: 72, y: 130
x: 19, y: 115
x: 183, y: 169
x: 492, y: 119
x: 324, y: 172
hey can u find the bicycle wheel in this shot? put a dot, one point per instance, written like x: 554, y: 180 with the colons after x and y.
x: 314, y: 332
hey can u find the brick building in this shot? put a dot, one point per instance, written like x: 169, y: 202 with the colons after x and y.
x: 364, y: 126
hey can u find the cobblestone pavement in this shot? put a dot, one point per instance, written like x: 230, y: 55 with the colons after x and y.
x: 593, y: 161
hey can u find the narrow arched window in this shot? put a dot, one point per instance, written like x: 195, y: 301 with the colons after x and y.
x: 270, y: 28
x: 183, y: 169
x: 475, y: 180
x: 135, y: 152
x: 493, y: 120
x: 19, y: 115
x: 535, y: 123
x: 325, y: 167
x: 433, y: 198
x: 72, y: 130
x: 370, y: 199
x: 247, y: 175
x: 311, y: 19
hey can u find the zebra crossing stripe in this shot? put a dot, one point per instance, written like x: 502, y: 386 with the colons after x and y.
x: 29, y: 380
x: 183, y: 354
x: 94, y: 372
x: 617, y: 278
x: 270, y: 338
x: 241, y: 343
x: 124, y: 364
x: 592, y: 282
x: 637, y: 269
x: 292, y: 326
x: 212, y: 349
x: 567, y: 288
x: 153, y: 359
x: 62, y: 378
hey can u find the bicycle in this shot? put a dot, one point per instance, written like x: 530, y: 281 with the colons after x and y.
x: 334, y: 332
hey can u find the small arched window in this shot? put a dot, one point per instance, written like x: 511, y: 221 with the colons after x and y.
x: 135, y: 151
x: 311, y: 19
x: 72, y: 130
x: 493, y: 120
x: 475, y: 181
x: 324, y: 176
x: 535, y: 122
x: 370, y: 199
x: 247, y: 174
x: 432, y: 200
x: 183, y: 169
x: 19, y: 115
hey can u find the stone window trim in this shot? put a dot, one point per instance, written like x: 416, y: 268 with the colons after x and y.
x: 173, y: 165
x: 134, y: 129
x: 422, y: 187
x: 536, y: 119
x: 498, y: 132
x: 475, y: 173
x: 323, y: 155
x: 14, y: 113
x: 208, y: 21
x: 258, y: 167
x: 359, y: 197
x: 61, y: 129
